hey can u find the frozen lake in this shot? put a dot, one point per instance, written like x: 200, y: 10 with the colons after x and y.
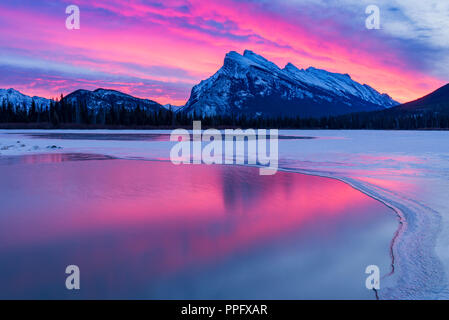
x: 146, y: 229
x: 408, y: 171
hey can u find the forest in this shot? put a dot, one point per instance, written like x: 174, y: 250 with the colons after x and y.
x: 60, y: 114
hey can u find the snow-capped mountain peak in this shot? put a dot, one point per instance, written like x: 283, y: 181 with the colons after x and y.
x: 104, y: 99
x: 18, y: 99
x: 260, y: 60
x: 253, y: 85
x: 341, y: 84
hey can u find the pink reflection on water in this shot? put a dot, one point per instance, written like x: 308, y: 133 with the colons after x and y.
x: 76, y: 199
x: 156, y: 218
x: 390, y: 157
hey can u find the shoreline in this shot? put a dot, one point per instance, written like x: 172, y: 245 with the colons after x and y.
x: 398, y: 242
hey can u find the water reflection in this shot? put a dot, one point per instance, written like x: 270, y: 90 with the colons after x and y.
x: 51, y: 158
x: 141, y: 229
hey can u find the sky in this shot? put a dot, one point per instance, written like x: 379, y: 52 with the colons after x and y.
x: 160, y: 49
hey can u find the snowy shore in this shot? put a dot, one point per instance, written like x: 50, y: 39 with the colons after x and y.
x: 407, y: 170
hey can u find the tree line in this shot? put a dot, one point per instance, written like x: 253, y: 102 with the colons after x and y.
x: 60, y: 112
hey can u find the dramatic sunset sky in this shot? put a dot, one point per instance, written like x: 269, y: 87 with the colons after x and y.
x: 160, y: 49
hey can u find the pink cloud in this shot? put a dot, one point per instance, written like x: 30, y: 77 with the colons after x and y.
x: 193, y: 37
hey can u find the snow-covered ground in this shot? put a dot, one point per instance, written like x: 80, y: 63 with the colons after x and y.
x: 407, y: 170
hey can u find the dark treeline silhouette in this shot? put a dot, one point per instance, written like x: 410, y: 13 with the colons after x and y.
x: 59, y: 114
x: 386, y: 120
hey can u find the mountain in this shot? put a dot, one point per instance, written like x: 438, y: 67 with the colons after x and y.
x: 105, y: 99
x: 17, y: 98
x: 428, y: 112
x: 437, y: 101
x: 250, y: 84
x: 172, y: 107
x: 95, y: 100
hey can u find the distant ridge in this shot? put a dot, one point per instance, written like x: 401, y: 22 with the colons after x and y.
x: 17, y: 98
x: 107, y: 98
x: 428, y: 112
x: 436, y: 101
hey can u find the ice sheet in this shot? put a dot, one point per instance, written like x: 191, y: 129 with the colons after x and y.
x: 407, y: 170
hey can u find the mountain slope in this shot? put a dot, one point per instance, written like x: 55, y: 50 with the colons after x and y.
x: 250, y: 84
x: 428, y: 112
x: 105, y: 99
x: 17, y: 98
x: 436, y: 101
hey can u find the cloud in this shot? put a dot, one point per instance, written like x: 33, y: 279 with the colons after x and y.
x: 417, y: 30
x: 422, y: 21
x: 162, y: 48
x: 51, y: 82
